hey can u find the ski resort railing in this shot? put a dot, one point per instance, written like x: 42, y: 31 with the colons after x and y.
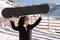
x: 50, y: 23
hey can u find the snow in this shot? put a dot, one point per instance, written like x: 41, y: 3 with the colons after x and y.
x: 37, y: 34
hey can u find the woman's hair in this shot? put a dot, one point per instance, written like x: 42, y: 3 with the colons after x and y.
x: 22, y: 20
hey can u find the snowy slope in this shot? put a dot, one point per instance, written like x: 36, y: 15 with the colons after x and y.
x: 37, y: 34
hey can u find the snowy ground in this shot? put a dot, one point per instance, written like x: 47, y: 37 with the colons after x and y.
x: 37, y: 34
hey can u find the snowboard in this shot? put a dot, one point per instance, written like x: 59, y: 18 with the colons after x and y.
x: 27, y: 10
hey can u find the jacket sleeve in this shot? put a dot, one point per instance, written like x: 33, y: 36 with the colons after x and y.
x: 36, y: 23
x: 13, y: 26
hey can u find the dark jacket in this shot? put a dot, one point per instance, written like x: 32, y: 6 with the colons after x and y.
x: 23, y: 34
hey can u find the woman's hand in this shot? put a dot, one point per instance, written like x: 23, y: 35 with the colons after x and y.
x: 12, y: 18
x: 41, y: 14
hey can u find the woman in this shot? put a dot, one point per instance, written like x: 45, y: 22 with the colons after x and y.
x: 24, y: 27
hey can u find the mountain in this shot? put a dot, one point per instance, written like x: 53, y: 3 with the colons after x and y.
x: 54, y: 10
x: 7, y: 3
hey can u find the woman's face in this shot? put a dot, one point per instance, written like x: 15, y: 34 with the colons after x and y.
x: 26, y: 22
